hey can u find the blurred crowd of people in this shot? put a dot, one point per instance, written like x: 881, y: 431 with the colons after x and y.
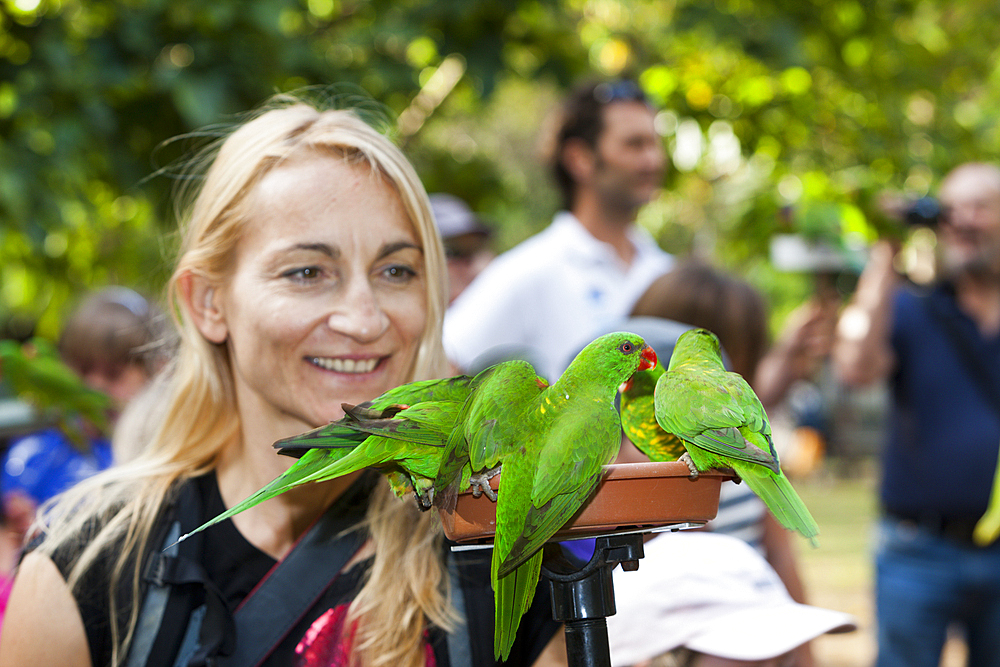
x: 294, y: 308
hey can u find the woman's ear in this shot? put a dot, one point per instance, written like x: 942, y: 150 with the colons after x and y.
x: 202, y: 303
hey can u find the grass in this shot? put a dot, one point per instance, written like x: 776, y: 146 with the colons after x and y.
x: 838, y: 574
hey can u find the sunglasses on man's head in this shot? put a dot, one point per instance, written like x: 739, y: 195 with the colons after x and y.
x: 618, y: 91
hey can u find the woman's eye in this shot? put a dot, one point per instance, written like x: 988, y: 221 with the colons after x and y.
x: 304, y: 274
x: 399, y: 273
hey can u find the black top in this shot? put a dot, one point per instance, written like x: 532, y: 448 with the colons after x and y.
x: 236, y: 567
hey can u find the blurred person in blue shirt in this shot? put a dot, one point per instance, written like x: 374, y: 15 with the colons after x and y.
x: 110, y: 340
x: 937, y: 347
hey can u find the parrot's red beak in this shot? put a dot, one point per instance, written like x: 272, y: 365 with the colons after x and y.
x: 648, y: 359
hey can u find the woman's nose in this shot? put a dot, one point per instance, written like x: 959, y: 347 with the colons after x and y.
x: 359, y: 315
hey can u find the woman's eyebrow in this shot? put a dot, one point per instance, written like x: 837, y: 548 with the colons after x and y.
x: 391, y: 248
x: 331, y: 251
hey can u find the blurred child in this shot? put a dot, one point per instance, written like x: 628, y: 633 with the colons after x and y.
x: 110, y: 341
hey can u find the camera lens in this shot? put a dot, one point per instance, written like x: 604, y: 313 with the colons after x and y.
x: 924, y: 211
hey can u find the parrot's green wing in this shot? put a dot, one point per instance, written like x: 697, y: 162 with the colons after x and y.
x: 453, y: 389
x: 553, y: 456
x: 488, y: 423
x: 413, y: 440
x: 402, y: 432
x: 562, y: 479
x: 491, y: 423
x: 334, y: 437
x: 721, y: 420
x: 329, y: 457
x: 419, y: 412
x: 718, y: 412
x: 638, y: 417
x: 406, y: 446
x: 376, y: 417
x: 424, y: 423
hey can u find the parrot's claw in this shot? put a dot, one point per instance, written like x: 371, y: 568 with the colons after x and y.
x: 480, y: 483
x: 481, y: 486
x: 425, y: 499
x: 686, y: 460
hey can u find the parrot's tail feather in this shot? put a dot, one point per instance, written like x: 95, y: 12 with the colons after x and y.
x: 270, y: 491
x: 298, y: 450
x: 316, y: 465
x: 784, y: 503
x: 513, y: 595
x: 545, y: 522
x: 447, y: 499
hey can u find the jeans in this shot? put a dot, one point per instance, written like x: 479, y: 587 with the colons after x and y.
x: 926, y: 582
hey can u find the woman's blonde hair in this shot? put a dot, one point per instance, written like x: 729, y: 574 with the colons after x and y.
x: 196, y: 416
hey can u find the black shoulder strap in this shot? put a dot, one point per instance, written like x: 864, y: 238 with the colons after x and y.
x: 204, y: 633
x: 177, y: 590
x: 154, y: 606
x: 977, y: 369
x: 290, y: 589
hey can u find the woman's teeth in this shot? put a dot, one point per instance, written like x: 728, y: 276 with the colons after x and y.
x: 346, y: 365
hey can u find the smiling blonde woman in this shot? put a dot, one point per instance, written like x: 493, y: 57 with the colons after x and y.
x: 310, y: 275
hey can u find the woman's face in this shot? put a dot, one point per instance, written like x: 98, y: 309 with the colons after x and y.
x: 327, y: 300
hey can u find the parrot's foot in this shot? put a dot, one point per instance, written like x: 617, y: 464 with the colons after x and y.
x: 425, y: 499
x: 480, y: 483
x: 686, y: 460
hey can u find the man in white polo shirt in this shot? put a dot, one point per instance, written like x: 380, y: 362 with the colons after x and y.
x: 542, y: 299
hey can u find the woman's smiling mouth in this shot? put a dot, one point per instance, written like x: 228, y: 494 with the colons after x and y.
x: 341, y: 365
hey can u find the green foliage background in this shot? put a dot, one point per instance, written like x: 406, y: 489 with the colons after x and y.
x: 766, y: 104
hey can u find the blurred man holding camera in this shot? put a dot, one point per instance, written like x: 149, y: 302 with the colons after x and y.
x: 939, y: 348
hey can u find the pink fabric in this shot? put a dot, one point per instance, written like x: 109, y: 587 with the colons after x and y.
x: 327, y: 644
x: 6, y: 583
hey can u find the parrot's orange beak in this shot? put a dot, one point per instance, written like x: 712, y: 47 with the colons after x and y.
x: 648, y: 359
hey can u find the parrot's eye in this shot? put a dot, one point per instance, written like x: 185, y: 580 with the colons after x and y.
x: 627, y: 347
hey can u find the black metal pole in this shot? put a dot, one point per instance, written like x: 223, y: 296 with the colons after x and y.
x: 583, y: 597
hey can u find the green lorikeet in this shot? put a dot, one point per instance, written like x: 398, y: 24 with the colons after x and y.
x: 480, y: 441
x: 723, y: 425
x: 38, y: 376
x: 552, y: 443
x: 402, y: 433
x: 639, y: 418
x: 422, y: 414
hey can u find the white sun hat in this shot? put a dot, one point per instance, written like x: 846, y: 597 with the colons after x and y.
x: 712, y: 594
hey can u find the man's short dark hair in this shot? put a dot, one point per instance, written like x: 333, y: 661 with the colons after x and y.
x: 581, y: 117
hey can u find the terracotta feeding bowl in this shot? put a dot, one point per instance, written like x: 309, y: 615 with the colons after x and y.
x: 631, y: 496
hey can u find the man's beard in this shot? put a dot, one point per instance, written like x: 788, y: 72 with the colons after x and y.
x: 982, y: 265
x: 619, y: 195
